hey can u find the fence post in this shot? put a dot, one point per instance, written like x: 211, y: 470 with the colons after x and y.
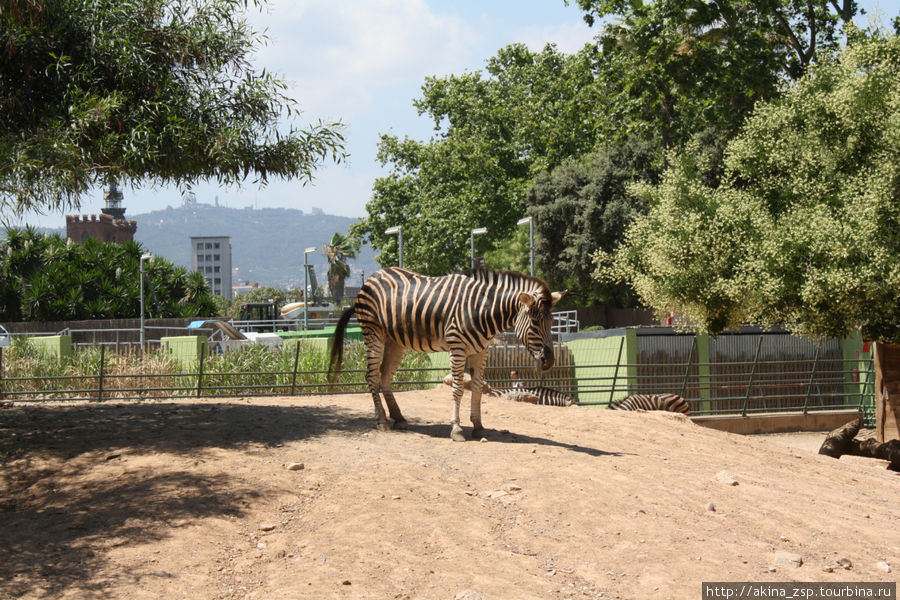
x: 752, y: 373
x: 812, y: 375
x: 687, y: 369
x: 100, y: 385
x: 200, y: 373
x: 296, y: 362
x: 1, y: 373
x: 616, y: 371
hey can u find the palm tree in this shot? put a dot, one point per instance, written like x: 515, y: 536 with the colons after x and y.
x: 337, y: 251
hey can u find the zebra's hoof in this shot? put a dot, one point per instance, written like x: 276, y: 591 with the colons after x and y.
x: 401, y: 424
x: 478, y: 433
x: 456, y: 434
x: 383, y: 426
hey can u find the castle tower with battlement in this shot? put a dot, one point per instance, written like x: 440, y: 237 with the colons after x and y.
x: 109, y: 226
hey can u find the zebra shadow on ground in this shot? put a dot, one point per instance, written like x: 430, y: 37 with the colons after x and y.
x: 502, y: 436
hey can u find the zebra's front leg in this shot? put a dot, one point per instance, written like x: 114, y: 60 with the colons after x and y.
x: 457, y: 368
x: 476, y: 366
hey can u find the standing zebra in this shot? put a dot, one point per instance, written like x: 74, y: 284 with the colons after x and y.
x: 667, y: 402
x: 399, y: 310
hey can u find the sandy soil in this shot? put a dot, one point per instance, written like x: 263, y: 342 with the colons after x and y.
x: 194, y: 500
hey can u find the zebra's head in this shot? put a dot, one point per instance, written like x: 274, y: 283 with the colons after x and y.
x: 533, y: 323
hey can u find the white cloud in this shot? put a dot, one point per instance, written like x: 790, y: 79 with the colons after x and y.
x: 568, y: 37
x: 336, y: 55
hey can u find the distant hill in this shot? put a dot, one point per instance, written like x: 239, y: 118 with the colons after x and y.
x: 266, y: 244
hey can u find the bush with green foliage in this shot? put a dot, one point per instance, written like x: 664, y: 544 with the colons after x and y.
x: 47, y: 278
x: 803, y: 230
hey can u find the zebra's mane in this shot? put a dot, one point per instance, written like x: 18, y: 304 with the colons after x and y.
x: 494, y: 276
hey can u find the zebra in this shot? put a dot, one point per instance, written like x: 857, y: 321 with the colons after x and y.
x: 667, y: 402
x: 543, y: 396
x: 398, y: 310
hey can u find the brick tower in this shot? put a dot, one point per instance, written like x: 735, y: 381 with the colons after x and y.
x: 109, y: 226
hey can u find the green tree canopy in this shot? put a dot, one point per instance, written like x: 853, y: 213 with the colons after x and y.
x: 158, y: 91
x: 47, y: 278
x: 791, y: 32
x: 803, y: 230
x: 581, y: 206
x: 259, y: 294
x: 494, y: 132
x: 674, y: 67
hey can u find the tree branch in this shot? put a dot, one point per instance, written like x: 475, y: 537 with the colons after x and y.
x: 797, y: 45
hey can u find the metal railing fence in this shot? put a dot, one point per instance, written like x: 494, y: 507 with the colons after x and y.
x: 744, y: 387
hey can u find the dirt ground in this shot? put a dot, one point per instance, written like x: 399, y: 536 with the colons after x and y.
x: 196, y: 500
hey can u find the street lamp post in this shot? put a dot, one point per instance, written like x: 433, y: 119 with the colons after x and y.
x: 477, y: 231
x: 145, y: 256
x: 306, y: 253
x: 530, y: 221
x: 398, y: 229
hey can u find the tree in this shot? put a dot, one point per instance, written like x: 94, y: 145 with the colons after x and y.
x: 47, y: 278
x: 260, y: 294
x: 494, y: 132
x: 674, y: 67
x: 582, y: 206
x: 159, y: 91
x: 802, y: 231
x: 791, y: 31
x: 337, y: 252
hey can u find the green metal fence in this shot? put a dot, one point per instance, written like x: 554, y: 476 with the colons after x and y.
x: 828, y: 381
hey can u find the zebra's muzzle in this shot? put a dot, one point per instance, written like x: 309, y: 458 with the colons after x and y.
x: 546, y: 359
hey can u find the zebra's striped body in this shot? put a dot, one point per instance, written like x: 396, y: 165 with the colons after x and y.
x: 541, y: 395
x: 667, y: 402
x: 399, y: 310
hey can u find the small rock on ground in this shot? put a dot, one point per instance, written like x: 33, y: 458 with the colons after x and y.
x: 787, y: 559
x: 726, y: 478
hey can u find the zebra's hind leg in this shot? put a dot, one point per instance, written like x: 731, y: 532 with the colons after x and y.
x: 457, y: 368
x: 374, y: 355
x: 476, y: 366
x: 393, y: 356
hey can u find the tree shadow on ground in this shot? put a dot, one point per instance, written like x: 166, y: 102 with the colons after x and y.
x: 54, y: 514
x: 503, y: 437
x: 47, y: 542
x: 67, y: 431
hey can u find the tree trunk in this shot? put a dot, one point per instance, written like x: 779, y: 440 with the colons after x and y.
x: 887, y: 391
x: 838, y: 441
x: 843, y: 441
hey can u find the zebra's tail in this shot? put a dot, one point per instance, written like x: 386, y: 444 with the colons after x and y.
x: 337, y: 346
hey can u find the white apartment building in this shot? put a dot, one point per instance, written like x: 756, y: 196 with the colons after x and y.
x: 211, y: 257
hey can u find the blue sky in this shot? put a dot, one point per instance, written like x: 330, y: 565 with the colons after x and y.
x: 363, y: 62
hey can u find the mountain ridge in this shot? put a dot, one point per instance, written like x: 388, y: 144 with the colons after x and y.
x: 266, y: 243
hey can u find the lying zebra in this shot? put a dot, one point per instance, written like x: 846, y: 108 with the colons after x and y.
x: 533, y: 395
x: 666, y: 402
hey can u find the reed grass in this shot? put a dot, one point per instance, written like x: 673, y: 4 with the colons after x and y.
x: 29, y: 374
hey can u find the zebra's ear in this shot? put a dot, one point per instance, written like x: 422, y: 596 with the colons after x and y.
x: 526, y: 298
x: 557, y: 296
